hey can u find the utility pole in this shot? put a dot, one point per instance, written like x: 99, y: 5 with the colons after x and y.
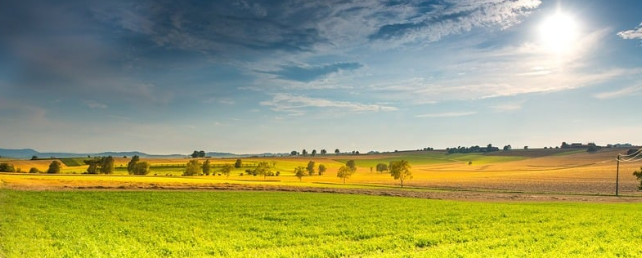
x: 617, y: 176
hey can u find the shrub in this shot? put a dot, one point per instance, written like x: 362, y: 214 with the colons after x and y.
x: 6, y: 167
x: 34, y: 170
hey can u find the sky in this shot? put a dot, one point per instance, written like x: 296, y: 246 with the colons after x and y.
x: 275, y: 76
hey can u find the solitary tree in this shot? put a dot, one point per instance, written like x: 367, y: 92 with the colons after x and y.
x: 310, y: 168
x: 638, y: 175
x: 262, y: 169
x: 322, y: 169
x: 293, y: 153
x: 344, y: 172
x: 314, y: 152
x: 299, y: 172
x: 336, y: 151
x: 54, y: 167
x: 304, y: 152
x: 227, y: 169
x: 192, y: 168
x: 93, y: 166
x: 132, y: 163
x: 238, y: 163
x: 34, y: 170
x: 207, y: 167
x: 323, y: 152
x: 507, y: 147
x: 382, y: 167
x: 141, y: 168
x: 400, y: 170
x: 351, y: 165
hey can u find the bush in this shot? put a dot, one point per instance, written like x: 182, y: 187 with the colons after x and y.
x: 34, y: 170
x: 6, y: 167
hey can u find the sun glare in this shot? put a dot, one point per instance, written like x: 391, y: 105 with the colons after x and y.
x: 558, y: 33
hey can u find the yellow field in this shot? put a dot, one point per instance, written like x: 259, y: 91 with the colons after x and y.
x: 534, y: 171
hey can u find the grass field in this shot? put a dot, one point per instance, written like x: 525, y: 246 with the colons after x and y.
x: 268, y: 224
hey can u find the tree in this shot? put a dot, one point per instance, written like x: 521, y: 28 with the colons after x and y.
x: 508, y: 147
x: 293, y: 153
x: 34, y: 157
x: 299, y: 172
x: 592, y: 147
x: 107, y: 165
x: 54, y: 167
x: 351, y: 165
x: 400, y: 170
x: 304, y: 152
x: 336, y: 151
x: 6, y: 167
x: 132, y: 164
x: 323, y: 152
x: 322, y: 169
x: 141, y: 168
x: 192, y: 168
x: 565, y: 145
x: 93, y: 166
x: 526, y: 147
x: 194, y: 154
x: 227, y: 169
x: 310, y: 168
x: 34, y: 170
x: 238, y: 163
x: 314, y: 152
x: 638, y: 175
x: 262, y: 169
x: 206, y: 167
x: 382, y: 167
x: 344, y: 172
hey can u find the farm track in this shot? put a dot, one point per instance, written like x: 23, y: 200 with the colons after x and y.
x: 445, y: 193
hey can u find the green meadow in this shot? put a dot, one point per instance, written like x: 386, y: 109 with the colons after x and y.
x: 278, y: 224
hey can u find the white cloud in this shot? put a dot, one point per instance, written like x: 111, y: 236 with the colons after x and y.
x: 296, y: 104
x: 507, y: 107
x: 631, y: 34
x: 94, y: 105
x: 447, y: 114
x: 628, y: 91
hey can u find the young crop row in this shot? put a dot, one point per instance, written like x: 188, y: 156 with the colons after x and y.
x: 268, y: 224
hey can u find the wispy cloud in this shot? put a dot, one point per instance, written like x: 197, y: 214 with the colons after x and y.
x: 299, y: 104
x: 94, y: 105
x: 628, y: 91
x: 447, y: 114
x: 631, y: 34
x: 507, y: 107
x: 310, y: 73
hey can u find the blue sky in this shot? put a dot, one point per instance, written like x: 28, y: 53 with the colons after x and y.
x: 276, y: 76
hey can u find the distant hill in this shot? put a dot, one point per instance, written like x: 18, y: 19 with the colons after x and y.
x: 28, y: 153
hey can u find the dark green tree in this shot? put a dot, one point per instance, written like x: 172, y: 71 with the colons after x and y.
x: 132, y: 163
x: 323, y: 151
x: 262, y: 169
x: 351, y: 165
x: 322, y: 169
x: 54, y: 167
x: 227, y: 169
x: 314, y: 152
x: 299, y: 172
x: 400, y: 170
x: 107, y: 165
x: 336, y: 151
x: 6, y: 167
x: 192, y: 168
x: 344, y: 172
x: 293, y: 153
x: 304, y: 152
x: 141, y: 168
x: 638, y: 175
x: 238, y: 163
x: 310, y: 168
x: 207, y: 167
x: 381, y: 167
x: 34, y: 170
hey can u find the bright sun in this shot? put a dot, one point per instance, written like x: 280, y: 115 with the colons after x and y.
x: 558, y: 33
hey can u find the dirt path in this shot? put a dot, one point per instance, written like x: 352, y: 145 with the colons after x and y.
x: 461, y: 195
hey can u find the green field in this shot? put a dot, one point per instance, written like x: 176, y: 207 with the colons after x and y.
x: 275, y: 224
